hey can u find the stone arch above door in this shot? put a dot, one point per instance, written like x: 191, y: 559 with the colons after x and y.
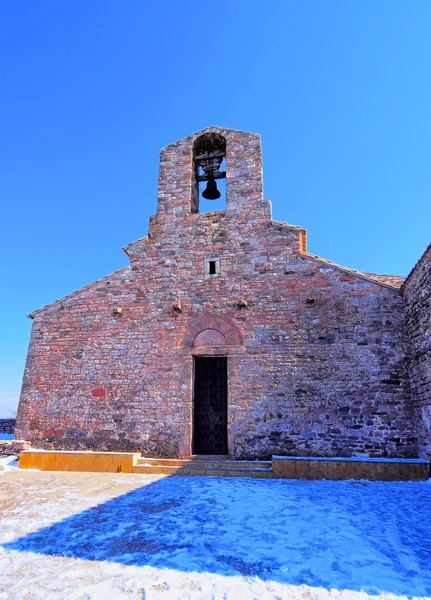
x: 207, y: 330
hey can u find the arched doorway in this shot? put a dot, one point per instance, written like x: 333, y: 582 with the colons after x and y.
x: 210, y: 340
x: 210, y: 398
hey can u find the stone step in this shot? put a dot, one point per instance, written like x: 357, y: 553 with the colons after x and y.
x: 281, y: 467
x: 204, y: 463
x: 215, y: 471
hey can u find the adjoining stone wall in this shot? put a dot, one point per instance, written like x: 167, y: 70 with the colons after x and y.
x: 7, y: 425
x: 417, y: 299
x: 315, y: 353
x: 13, y: 447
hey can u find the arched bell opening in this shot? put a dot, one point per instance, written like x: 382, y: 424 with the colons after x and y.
x: 209, y: 173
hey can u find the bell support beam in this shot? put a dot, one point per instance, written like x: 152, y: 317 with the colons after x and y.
x: 216, y: 175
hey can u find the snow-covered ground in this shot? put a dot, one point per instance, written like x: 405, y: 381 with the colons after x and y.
x: 7, y: 463
x: 100, y: 536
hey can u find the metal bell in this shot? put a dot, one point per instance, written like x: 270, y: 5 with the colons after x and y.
x: 211, y: 192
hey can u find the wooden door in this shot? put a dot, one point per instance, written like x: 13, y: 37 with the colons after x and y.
x: 210, y: 406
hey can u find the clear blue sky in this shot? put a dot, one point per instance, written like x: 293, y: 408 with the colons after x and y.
x: 91, y: 90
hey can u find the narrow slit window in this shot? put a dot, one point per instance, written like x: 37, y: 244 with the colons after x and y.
x: 212, y: 267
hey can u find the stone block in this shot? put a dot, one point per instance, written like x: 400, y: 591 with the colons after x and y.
x: 123, y: 463
x: 304, y: 469
x: 284, y: 468
x: 358, y: 470
x: 28, y: 460
x: 49, y: 461
x: 103, y: 463
x: 385, y: 471
x: 405, y: 471
x: 335, y: 470
x: 83, y: 461
x: 419, y: 471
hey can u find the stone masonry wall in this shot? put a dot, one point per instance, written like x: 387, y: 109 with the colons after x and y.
x: 10, y: 447
x: 7, y: 425
x: 417, y: 299
x: 316, y: 354
x: 13, y: 447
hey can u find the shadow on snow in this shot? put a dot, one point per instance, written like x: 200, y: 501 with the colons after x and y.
x: 344, y: 535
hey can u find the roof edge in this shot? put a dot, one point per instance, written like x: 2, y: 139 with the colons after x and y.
x: 129, y: 246
x: 74, y: 293
x: 416, y: 265
x: 286, y: 225
x: 354, y: 272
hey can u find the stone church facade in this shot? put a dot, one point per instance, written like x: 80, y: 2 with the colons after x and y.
x: 224, y: 336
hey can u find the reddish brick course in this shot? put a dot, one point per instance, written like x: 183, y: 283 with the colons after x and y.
x: 316, y: 352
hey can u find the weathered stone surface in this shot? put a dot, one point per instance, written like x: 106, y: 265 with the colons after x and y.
x: 7, y: 425
x: 13, y: 447
x: 100, y: 462
x: 417, y: 299
x: 321, y: 378
x: 350, y: 468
